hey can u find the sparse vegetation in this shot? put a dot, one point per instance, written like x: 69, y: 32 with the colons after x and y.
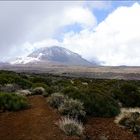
x: 9, y: 88
x: 56, y: 99
x: 72, y: 108
x: 35, y: 85
x: 12, y: 102
x: 24, y: 92
x: 74, y: 98
x: 39, y: 91
x: 71, y: 127
x: 95, y: 102
x: 128, y: 94
x: 130, y: 118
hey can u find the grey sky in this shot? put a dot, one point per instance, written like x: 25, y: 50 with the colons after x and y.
x: 28, y: 21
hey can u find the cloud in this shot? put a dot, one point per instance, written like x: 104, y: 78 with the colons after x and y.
x: 26, y: 22
x: 115, y: 41
x: 29, y: 21
x: 80, y: 15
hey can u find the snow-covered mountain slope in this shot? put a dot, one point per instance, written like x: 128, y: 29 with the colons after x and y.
x: 53, y: 55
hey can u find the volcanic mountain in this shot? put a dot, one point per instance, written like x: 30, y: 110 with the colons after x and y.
x: 54, y: 55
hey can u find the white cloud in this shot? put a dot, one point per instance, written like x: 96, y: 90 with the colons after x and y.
x: 115, y: 41
x: 79, y: 15
x: 33, y: 21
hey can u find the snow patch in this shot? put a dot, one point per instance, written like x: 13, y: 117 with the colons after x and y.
x: 24, y: 60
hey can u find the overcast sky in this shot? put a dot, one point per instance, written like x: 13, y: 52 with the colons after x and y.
x: 106, y: 31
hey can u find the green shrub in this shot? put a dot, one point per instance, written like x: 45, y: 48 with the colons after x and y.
x: 12, y: 102
x: 9, y: 88
x: 56, y: 99
x: 50, y: 90
x: 13, y: 78
x: 7, y: 78
x: 128, y: 95
x: 95, y: 102
x: 71, y: 127
x: 41, y: 79
x: 23, y: 83
x: 72, y: 108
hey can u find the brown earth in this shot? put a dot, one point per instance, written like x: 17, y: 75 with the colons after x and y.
x: 39, y: 123
x: 105, y: 127
x: 36, y: 123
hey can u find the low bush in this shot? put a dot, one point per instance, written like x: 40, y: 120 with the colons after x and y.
x: 12, y: 102
x: 35, y: 85
x: 71, y: 127
x: 128, y: 95
x: 14, y: 78
x: 73, y: 108
x: 51, y: 90
x: 130, y: 118
x: 56, y: 99
x: 9, y: 88
x: 41, y: 79
x: 39, y: 91
x: 24, y: 92
x: 96, y: 103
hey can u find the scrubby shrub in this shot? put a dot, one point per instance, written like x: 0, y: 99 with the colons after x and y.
x: 51, y: 90
x: 9, y: 88
x: 130, y: 118
x: 72, y: 108
x: 35, y: 85
x: 96, y: 102
x: 12, y: 102
x: 71, y: 90
x: 24, y: 92
x: 41, y: 79
x: 23, y: 83
x: 71, y: 127
x: 38, y: 91
x: 63, y: 82
x: 56, y: 99
x: 7, y: 77
x: 128, y: 95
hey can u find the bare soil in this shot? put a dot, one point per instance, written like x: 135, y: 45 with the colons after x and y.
x: 39, y: 123
x: 105, y: 127
x: 36, y: 123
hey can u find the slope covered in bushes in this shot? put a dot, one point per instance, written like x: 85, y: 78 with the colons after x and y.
x: 100, y: 97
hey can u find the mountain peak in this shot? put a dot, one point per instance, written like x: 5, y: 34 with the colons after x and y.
x: 55, y: 55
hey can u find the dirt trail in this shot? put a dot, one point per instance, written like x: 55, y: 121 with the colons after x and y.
x: 36, y: 123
